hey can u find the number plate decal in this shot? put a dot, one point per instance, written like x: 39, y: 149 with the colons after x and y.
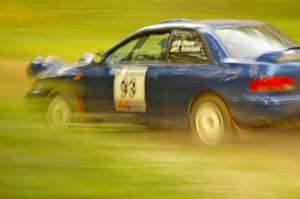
x: 129, y: 89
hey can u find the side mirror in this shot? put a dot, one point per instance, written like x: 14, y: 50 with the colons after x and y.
x: 91, y: 57
x: 97, y: 57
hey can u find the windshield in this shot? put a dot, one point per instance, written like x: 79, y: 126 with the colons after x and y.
x: 252, y: 41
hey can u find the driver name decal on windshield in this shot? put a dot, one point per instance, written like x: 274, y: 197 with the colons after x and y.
x: 129, y: 89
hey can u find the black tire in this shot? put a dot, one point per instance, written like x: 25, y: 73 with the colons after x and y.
x: 210, y: 120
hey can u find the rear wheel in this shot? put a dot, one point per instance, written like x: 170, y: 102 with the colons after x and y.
x: 210, y: 120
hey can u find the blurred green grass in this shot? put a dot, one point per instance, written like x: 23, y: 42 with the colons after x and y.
x: 126, y: 161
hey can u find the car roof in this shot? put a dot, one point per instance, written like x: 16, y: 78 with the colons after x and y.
x: 208, y: 23
x: 188, y: 23
x: 221, y: 23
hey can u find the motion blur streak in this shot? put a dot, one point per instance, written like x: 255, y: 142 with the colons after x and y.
x: 127, y: 161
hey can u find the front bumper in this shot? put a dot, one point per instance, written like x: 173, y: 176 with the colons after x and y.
x: 35, y: 101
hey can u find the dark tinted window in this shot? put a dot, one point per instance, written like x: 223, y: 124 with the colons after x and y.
x: 187, y: 47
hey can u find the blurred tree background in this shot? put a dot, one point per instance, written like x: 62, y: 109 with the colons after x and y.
x: 68, y: 28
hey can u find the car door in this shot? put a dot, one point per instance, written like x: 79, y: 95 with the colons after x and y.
x: 187, y: 71
x: 133, y: 79
x: 99, y: 80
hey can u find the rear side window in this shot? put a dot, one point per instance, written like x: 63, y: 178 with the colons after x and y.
x: 187, y: 47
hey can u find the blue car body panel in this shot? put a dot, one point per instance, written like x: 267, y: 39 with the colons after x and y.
x: 171, y: 88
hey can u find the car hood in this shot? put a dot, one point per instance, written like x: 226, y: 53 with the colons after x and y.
x: 52, y: 66
x: 64, y: 70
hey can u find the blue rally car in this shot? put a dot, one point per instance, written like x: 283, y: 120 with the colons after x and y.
x: 211, y: 76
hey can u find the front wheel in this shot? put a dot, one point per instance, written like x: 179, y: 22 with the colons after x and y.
x: 60, y: 113
x: 210, y: 120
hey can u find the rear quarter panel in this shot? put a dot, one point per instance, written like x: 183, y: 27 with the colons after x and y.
x: 183, y: 84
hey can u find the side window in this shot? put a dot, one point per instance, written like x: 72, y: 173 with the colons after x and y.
x: 152, y: 48
x: 122, y: 54
x: 187, y: 47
